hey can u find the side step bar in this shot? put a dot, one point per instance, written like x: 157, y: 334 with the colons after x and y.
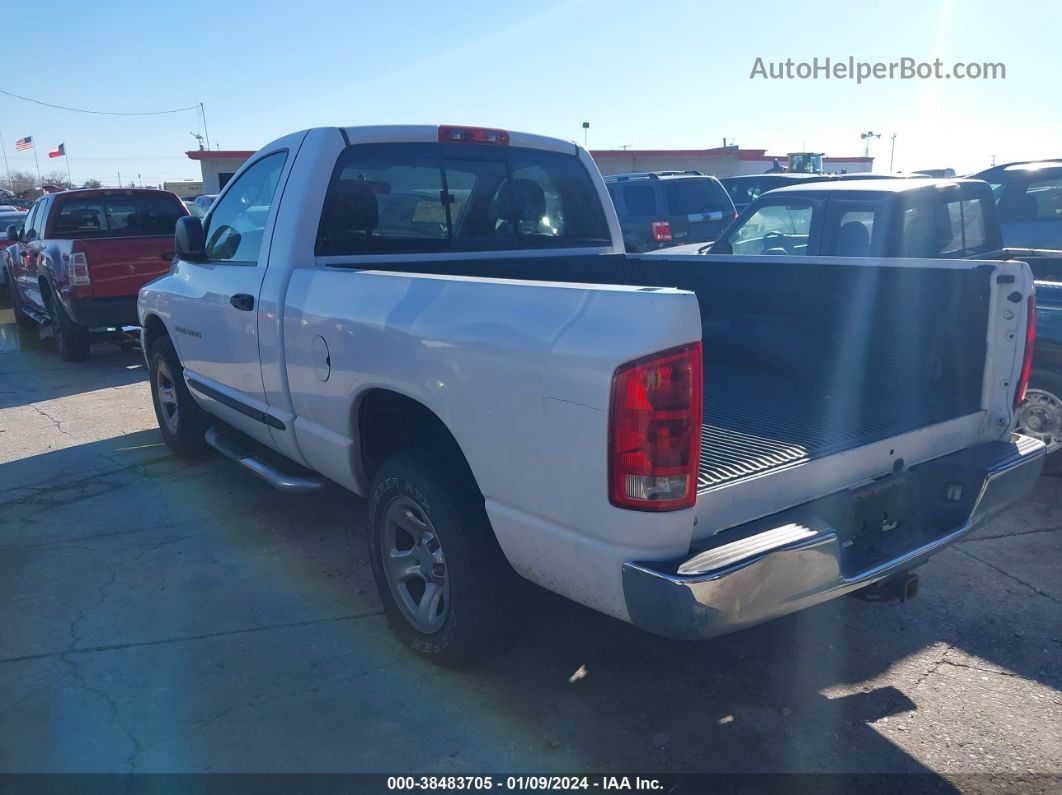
x: 275, y: 477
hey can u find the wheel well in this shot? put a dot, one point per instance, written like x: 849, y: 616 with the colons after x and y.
x: 153, y: 330
x: 389, y: 422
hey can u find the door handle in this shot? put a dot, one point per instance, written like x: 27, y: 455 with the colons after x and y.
x: 242, y: 301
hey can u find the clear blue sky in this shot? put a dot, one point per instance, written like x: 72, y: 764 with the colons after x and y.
x: 651, y: 75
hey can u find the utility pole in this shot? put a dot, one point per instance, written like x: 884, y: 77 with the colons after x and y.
x: 892, y: 153
x: 202, y: 111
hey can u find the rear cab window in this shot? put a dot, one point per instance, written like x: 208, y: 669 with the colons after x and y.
x: 949, y: 228
x: 421, y: 198
x: 130, y: 215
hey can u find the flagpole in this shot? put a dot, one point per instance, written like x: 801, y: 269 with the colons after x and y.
x: 40, y: 179
x: 69, y: 178
x: 7, y: 168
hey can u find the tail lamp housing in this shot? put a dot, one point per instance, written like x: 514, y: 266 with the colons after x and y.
x: 662, y: 231
x: 1027, y: 361
x: 655, y: 431
x: 77, y: 269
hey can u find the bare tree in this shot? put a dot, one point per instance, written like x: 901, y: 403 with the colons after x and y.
x: 21, y: 180
x: 91, y: 183
x: 57, y: 178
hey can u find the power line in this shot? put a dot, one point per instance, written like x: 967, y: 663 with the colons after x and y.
x: 99, y: 112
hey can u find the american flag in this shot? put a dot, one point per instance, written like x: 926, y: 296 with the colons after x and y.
x: 24, y: 143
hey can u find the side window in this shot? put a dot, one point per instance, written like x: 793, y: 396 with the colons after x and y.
x: 854, y: 231
x: 1042, y: 200
x: 640, y: 199
x: 30, y: 230
x: 774, y: 229
x: 237, y: 220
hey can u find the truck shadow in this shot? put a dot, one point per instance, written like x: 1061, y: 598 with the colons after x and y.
x: 573, y: 690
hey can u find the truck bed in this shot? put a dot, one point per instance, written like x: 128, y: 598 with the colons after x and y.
x: 756, y: 423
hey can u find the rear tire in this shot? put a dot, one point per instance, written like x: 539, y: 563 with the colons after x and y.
x: 181, y: 421
x: 71, y: 340
x: 443, y: 580
x: 1041, y: 416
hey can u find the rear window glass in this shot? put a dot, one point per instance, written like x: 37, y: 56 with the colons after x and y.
x: 1042, y: 200
x: 946, y: 229
x: 640, y: 199
x: 412, y: 198
x: 116, y: 216
x: 686, y: 196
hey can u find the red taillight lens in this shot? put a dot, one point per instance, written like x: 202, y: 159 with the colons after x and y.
x: 655, y: 431
x: 78, y: 269
x: 662, y: 231
x: 1030, y: 343
x: 448, y: 133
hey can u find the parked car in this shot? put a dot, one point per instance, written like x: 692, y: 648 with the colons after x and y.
x: 1029, y: 198
x: 205, y: 200
x: 657, y: 209
x: 10, y: 219
x: 744, y: 189
x: 935, y: 173
x: 953, y: 219
x: 76, y: 266
x: 194, y: 209
x: 694, y: 446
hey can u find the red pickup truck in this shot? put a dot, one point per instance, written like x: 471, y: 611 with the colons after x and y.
x: 81, y: 257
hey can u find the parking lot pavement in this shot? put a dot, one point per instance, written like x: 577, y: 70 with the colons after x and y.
x: 167, y: 615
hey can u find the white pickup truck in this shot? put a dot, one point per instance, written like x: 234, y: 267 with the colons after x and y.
x: 442, y: 319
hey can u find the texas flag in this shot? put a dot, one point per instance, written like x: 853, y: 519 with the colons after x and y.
x: 58, y: 152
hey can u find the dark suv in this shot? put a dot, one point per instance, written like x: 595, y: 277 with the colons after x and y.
x: 657, y: 209
x: 1029, y: 198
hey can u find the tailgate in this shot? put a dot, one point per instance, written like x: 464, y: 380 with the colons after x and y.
x: 119, y: 267
x: 824, y: 374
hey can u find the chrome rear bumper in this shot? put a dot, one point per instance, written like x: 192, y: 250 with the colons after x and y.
x: 821, y: 550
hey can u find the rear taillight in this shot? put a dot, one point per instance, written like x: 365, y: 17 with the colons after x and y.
x: 78, y: 269
x: 655, y: 431
x: 1026, y: 364
x: 448, y: 133
x: 662, y: 231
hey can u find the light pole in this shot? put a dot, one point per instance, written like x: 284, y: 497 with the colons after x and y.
x: 586, y: 129
x: 866, y: 137
x: 892, y: 153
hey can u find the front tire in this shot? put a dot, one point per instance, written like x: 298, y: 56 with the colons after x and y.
x: 440, y: 573
x: 181, y: 421
x: 24, y: 321
x: 1041, y: 415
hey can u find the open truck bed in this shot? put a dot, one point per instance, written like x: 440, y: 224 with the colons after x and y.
x: 756, y: 423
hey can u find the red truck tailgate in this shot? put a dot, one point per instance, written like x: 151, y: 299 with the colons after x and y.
x: 119, y: 267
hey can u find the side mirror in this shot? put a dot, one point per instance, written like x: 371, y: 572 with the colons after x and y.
x: 12, y: 233
x: 188, y: 240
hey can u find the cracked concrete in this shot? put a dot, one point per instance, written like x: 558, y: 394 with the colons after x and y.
x: 168, y: 615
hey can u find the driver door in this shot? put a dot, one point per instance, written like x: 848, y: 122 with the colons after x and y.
x: 216, y: 320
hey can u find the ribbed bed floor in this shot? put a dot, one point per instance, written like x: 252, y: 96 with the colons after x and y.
x: 755, y: 422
